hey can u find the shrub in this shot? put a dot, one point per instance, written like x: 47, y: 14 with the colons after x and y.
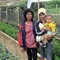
x: 10, y: 30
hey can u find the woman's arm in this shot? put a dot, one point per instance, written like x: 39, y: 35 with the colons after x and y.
x: 20, y: 41
x: 48, y: 37
x: 38, y: 31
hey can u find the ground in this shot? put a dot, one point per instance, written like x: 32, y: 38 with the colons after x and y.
x: 12, y: 46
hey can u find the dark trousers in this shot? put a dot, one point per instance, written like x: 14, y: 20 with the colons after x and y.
x: 32, y: 53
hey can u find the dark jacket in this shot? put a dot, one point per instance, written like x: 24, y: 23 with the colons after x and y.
x: 37, y: 29
x: 22, y: 34
x: 39, y: 32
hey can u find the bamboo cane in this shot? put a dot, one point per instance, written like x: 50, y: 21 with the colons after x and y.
x: 38, y: 9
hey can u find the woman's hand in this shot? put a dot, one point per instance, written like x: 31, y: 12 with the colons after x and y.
x: 42, y: 28
x: 49, y: 36
x: 48, y: 28
x: 22, y: 49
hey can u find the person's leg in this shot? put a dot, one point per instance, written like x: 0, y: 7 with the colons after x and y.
x: 29, y: 53
x: 49, y: 51
x: 34, y: 53
x: 42, y: 52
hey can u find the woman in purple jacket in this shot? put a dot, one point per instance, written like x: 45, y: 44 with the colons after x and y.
x: 26, y: 35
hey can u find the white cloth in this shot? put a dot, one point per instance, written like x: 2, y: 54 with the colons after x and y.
x: 39, y: 38
x: 40, y: 25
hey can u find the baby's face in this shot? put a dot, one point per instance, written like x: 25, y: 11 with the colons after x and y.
x: 49, y: 19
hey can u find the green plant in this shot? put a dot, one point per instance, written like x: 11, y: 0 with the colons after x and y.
x: 56, y: 49
x: 10, y: 30
x: 5, y: 54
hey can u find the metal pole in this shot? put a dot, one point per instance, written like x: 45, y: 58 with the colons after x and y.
x: 38, y: 9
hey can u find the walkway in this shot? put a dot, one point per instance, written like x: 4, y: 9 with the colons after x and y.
x: 12, y: 45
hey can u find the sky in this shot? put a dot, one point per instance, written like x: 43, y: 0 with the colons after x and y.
x: 30, y: 2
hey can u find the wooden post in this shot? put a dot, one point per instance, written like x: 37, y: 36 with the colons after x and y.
x: 56, y: 6
x: 38, y: 9
x: 6, y: 15
x: 18, y: 15
x: 0, y: 15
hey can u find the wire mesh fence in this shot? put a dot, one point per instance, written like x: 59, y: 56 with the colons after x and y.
x: 13, y: 15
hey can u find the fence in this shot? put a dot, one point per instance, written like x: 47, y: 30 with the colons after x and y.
x: 10, y: 14
x: 13, y: 15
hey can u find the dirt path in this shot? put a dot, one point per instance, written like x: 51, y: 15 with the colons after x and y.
x: 12, y: 46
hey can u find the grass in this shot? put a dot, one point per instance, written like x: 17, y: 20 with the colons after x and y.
x: 8, y: 29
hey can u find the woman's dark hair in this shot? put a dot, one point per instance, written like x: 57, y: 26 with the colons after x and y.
x: 26, y: 11
x: 42, y: 14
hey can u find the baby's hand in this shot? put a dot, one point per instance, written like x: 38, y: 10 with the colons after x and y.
x: 48, y: 28
x: 41, y: 29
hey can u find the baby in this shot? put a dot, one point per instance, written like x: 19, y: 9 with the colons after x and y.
x: 50, y: 26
